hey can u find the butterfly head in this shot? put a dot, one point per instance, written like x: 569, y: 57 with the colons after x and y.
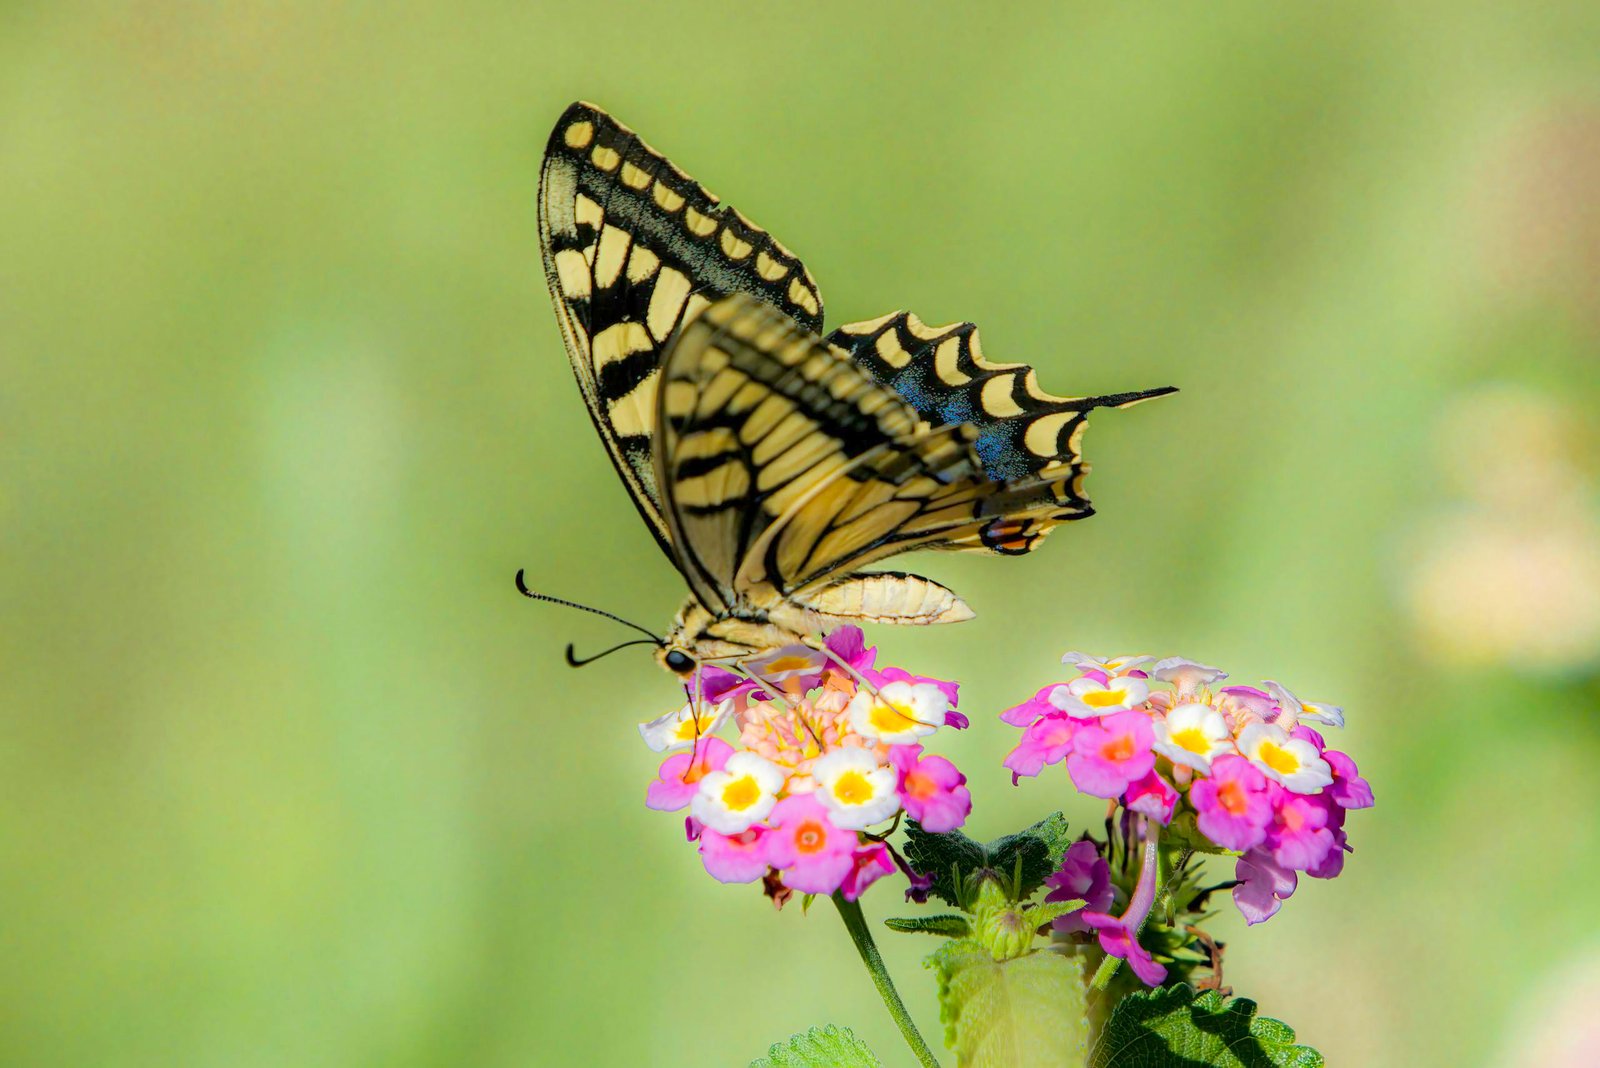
x: 701, y: 636
x: 677, y: 661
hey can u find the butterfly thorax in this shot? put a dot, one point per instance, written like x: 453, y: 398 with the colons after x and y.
x: 742, y: 630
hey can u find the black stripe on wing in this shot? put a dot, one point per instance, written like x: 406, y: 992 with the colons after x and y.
x: 633, y: 248
x: 762, y: 419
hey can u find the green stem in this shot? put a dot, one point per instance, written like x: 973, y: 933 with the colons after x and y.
x: 1102, y: 975
x: 856, y: 924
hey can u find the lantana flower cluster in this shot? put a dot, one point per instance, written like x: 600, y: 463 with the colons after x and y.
x: 826, y: 747
x: 1235, y: 769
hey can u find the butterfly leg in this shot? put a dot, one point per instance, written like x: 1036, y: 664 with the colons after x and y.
x: 774, y: 694
x: 816, y: 642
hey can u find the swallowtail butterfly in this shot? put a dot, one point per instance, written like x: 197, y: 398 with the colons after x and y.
x: 772, y: 462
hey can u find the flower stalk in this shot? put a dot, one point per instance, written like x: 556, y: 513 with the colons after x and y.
x: 856, y: 924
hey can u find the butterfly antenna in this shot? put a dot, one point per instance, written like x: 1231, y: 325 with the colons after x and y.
x: 573, y: 660
x: 522, y: 588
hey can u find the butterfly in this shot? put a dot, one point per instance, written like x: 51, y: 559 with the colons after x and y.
x: 770, y: 461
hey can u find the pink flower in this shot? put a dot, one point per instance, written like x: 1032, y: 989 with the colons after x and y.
x: 1298, y: 835
x: 1029, y: 711
x: 1264, y: 885
x: 868, y: 864
x: 734, y: 858
x: 850, y: 645
x: 1232, y: 803
x: 678, y: 779
x: 1112, y: 753
x: 814, y: 855
x: 1046, y: 741
x: 1252, y: 701
x: 1119, y: 935
x: 1332, y: 864
x: 717, y: 683
x: 932, y: 790
x: 1349, y: 789
x: 1120, y: 939
x: 1152, y: 796
x: 1084, y: 874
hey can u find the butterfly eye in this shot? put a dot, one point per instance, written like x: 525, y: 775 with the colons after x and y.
x: 680, y: 662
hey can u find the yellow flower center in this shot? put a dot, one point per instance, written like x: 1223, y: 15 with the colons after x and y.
x: 1103, y: 698
x: 786, y: 663
x: 741, y: 793
x: 1278, y: 758
x: 690, y: 729
x: 1191, y: 738
x: 891, y: 718
x: 921, y: 786
x: 852, y: 788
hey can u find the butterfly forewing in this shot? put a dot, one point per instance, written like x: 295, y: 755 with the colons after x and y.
x: 633, y: 248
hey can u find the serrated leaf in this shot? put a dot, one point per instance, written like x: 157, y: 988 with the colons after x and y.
x: 1040, y: 849
x: 947, y: 924
x: 1029, y: 1010
x: 1030, y: 854
x: 820, y: 1047
x: 1178, y: 1026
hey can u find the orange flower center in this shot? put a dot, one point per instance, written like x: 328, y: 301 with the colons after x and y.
x: 1118, y: 749
x: 810, y: 837
x: 1233, y: 798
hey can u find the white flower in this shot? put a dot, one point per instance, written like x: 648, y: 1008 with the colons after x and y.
x: 1317, y: 712
x: 1111, y: 665
x: 1292, y: 762
x: 738, y: 796
x: 1296, y: 709
x: 681, y: 728
x: 1193, y: 735
x: 1091, y: 697
x: 901, y: 712
x: 1187, y: 675
x: 856, y: 790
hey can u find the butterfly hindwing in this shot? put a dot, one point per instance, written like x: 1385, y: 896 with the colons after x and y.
x: 1024, y: 435
x: 633, y: 248
x: 786, y: 466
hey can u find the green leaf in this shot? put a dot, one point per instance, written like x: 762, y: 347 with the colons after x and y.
x: 1029, y: 1010
x: 820, y: 1047
x: 1026, y: 857
x: 1046, y: 911
x: 947, y: 924
x: 1176, y: 1027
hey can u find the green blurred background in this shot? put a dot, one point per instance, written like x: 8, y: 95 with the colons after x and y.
x: 292, y: 776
